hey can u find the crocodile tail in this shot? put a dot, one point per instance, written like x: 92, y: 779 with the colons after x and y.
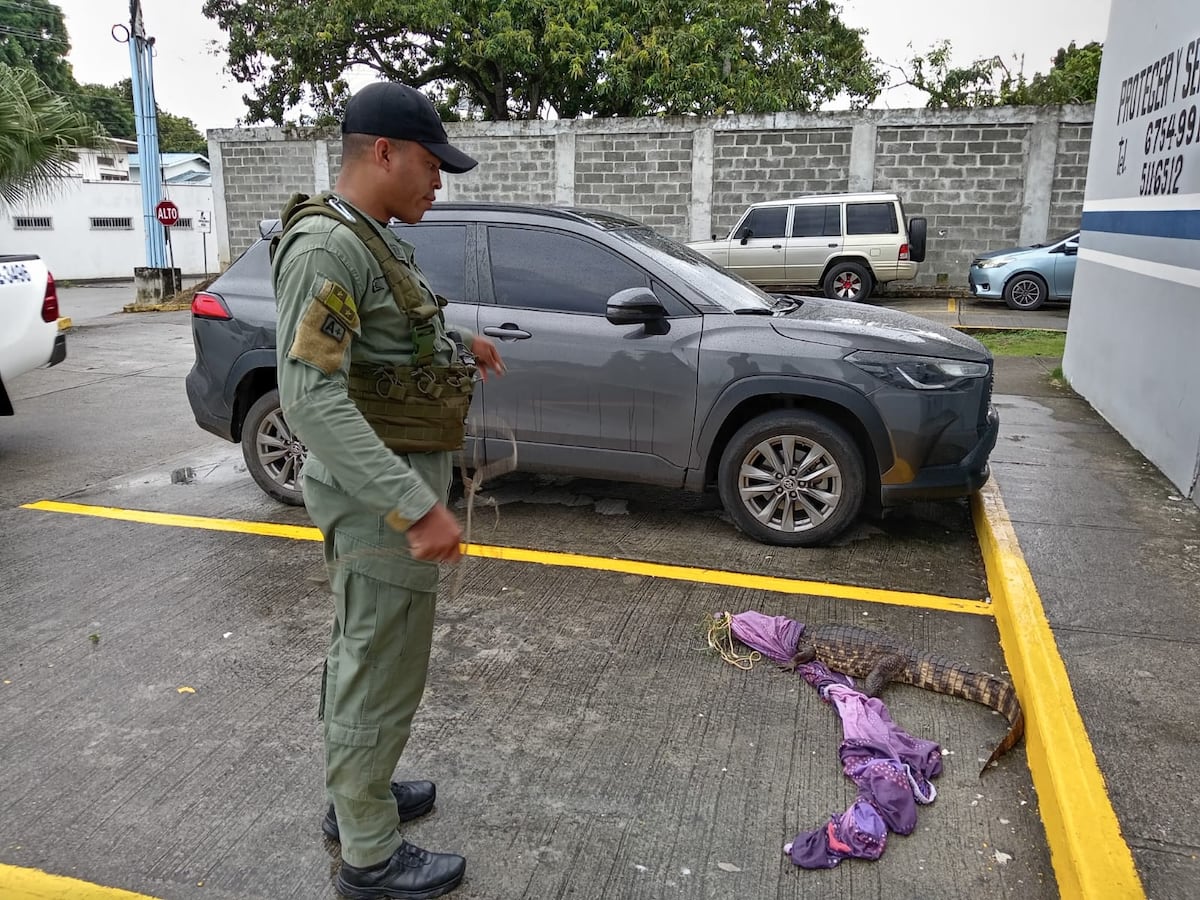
x: 1016, y: 729
x: 946, y: 677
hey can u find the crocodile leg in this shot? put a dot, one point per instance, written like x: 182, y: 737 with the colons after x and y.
x: 886, y: 669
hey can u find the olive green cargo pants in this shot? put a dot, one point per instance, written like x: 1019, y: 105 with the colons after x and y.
x: 376, y: 666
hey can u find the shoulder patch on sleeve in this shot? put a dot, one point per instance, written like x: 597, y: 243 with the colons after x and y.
x: 338, y: 301
x: 322, y: 338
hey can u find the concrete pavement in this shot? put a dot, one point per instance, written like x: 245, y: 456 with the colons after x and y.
x: 1114, y: 553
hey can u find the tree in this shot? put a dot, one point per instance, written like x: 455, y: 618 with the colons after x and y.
x: 503, y: 59
x: 40, y: 131
x: 33, y: 34
x: 1073, y: 78
x: 112, y: 107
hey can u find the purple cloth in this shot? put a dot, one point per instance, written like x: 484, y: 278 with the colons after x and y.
x: 858, y: 832
x: 891, y: 768
x: 775, y: 637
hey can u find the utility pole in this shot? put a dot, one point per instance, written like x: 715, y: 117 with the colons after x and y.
x: 154, y: 280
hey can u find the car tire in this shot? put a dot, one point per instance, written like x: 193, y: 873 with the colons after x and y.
x: 273, y: 454
x: 1025, y: 292
x: 775, y: 448
x: 848, y: 281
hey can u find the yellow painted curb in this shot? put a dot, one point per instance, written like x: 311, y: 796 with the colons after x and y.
x: 31, y: 884
x: 1090, y: 856
x: 64, y: 323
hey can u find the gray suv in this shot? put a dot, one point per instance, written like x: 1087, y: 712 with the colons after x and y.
x: 633, y: 358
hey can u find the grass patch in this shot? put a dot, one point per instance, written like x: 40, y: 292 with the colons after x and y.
x: 1024, y: 343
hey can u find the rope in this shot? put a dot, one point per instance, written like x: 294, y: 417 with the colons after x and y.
x: 473, y: 483
x: 721, y: 639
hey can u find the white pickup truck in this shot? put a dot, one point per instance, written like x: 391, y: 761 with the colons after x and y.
x: 29, y: 335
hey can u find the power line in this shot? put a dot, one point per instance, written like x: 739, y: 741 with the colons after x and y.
x: 33, y: 36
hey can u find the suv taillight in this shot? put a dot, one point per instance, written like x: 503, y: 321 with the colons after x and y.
x: 209, y: 306
x: 50, y: 301
x: 904, y: 251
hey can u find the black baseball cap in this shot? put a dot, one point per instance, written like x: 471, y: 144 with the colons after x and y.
x: 393, y: 110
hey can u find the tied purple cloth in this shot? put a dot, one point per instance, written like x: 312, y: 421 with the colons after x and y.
x: 775, y: 637
x: 891, y: 768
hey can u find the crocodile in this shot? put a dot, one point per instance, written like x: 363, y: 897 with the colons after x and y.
x: 877, y: 659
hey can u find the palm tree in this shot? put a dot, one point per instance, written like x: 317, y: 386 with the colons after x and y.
x: 39, y: 132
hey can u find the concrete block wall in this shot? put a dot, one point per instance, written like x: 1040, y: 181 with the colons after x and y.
x: 749, y: 166
x: 1070, y: 177
x: 645, y: 176
x: 968, y: 181
x: 518, y: 169
x: 985, y: 179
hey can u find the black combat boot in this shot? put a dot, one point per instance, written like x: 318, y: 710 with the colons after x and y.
x: 413, y: 799
x: 411, y: 874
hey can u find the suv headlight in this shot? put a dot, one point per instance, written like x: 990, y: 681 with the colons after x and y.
x: 924, y: 373
x: 995, y: 263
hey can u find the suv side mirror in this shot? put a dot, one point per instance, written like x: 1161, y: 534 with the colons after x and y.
x: 1071, y: 248
x: 636, y: 306
x: 745, y: 234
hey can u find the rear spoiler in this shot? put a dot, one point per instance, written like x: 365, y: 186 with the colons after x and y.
x: 267, y: 227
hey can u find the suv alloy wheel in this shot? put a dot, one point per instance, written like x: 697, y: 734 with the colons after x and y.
x: 273, y: 454
x: 792, y: 478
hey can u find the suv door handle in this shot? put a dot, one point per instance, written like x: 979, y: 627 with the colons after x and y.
x: 833, y: 245
x: 777, y: 246
x: 507, y: 332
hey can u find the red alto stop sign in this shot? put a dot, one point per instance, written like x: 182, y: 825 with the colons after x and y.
x: 167, y: 213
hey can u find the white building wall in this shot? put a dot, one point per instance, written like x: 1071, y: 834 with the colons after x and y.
x: 1134, y: 329
x: 76, y: 251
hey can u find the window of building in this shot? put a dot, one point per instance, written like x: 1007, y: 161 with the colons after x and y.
x: 105, y: 176
x: 32, y: 223
x: 111, y: 223
x: 183, y: 223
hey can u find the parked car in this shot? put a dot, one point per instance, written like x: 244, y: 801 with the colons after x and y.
x: 632, y: 358
x: 1026, y: 277
x: 845, y: 244
x: 29, y: 335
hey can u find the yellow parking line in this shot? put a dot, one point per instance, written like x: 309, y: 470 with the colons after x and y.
x: 551, y: 558
x: 32, y: 884
x: 952, y: 305
x: 1090, y: 857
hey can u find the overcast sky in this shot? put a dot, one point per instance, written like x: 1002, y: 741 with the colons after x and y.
x: 190, y: 79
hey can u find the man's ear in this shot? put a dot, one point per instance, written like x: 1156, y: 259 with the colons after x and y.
x: 384, y: 152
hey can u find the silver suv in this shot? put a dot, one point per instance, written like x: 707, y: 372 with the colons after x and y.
x: 844, y: 244
x: 632, y: 358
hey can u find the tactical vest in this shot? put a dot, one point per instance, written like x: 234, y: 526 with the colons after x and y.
x: 413, y: 408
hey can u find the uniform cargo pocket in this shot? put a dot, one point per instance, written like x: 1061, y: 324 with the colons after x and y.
x: 352, y: 735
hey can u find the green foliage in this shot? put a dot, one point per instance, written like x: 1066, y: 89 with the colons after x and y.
x: 502, y: 59
x: 1073, y: 78
x: 110, y: 107
x: 39, y: 132
x: 33, y: 35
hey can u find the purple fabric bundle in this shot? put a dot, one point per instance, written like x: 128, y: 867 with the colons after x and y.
x: 891, y: 767
x: 775, y: 637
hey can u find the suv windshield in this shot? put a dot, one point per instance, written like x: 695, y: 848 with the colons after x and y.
x: 718, y: 285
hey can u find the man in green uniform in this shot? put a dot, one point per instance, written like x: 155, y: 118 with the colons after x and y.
x: 378, y: 389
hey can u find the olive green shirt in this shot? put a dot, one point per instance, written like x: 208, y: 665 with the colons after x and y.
x: 335, y: 309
